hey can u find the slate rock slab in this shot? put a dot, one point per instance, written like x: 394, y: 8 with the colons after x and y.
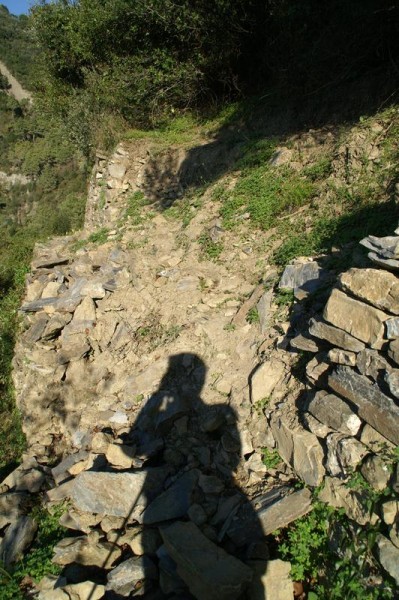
x: 372, y: 405
x: 375, y: 286
x: 132, y: 575
x: 360, y: 320
x: 303, y: 276
x: 17, y: 539
x: 83, y: 551
x: 336, y: 337
x: 117, y: 494
x: 174, y: 502
x: 209, y: 572
x: 334, y: 412
x: 252, y: 523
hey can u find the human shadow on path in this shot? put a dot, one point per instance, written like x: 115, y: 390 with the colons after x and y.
x: 190, y: 453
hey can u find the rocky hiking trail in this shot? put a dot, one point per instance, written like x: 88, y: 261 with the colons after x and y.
x: 153, y: 397
x: 16, y: 88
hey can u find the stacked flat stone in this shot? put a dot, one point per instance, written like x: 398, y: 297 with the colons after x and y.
x: 352, y: 404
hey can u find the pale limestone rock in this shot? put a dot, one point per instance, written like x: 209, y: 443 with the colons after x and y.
x: 376, y: 471
x: 374, y: 440
x: 265, y: 379
x: 84, y: 590
x: 110, y: 523
x: 116, y: 494
x: 84, y: 551
x: 317, y: 369
x: 388, y: 555
x: 342, y: 357
x: 390, y: 511
x: 371, y: 363
x: 375, y: 286
x: 132, y: 575
x: 285, y: 511
x: 272, y: 581
x: 120, y: 456
x: 344, y: 454
x: 299, y: 448
x: 51, y: 289
x: 141, y: 541
x: 100, y: 442
x: 360, y: 320
x: 336, y: 337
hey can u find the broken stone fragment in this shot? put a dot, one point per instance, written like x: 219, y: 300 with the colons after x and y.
x: 84, y: 551
x: 120, y: 455
x: 61, y: 472
x: 334, y: 412
x: 392, y: 326
x: 344, y: 454
x: 302, y: 277
x: 174, y: 502
x: 79, y: 521
x: 18, y: 537
x: 390, y: 511
x: 100, y: 442
x: 84, y: 591
x: 374, y: 440
x: 117, y: 494
x: 265, y: 379
x: 299, y: 448
x: 317, y: 370
x: 47, y: 262
x: 272, y: 580
x: 393, y: 351
x: 133, y: 575
x: 25, y: 478
x: 342, y: 357
x: 360, y: 320
x: 304, y: 343
x: 388, y: 555
x: 264, y: 311
x: 209, y: 572
x: 312, y: 424
x: 272, y: 512
x: 392, y: 379
x: 336, y: 337
x: 376, y: 472
x: 36, y: 331
x: 55, y: 325
x: 371, y: 363
x: 372, y: 405
x: 141, y: 541
x: 375, y: 286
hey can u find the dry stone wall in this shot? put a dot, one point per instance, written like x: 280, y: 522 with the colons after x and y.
x: 148, y: 401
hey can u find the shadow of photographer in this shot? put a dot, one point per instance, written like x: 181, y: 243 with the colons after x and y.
x: 183, y: 525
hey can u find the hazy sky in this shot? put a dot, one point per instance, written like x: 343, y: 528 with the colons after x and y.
x: 17, y: 7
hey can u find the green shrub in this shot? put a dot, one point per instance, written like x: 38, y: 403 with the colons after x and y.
x: 266, y: 194
x: 271, y: 458
x: 210, y: 250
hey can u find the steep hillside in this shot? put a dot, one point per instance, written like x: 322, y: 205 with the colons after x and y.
x: 17, y: 47
x: 161, y: 341
x: 198, y: 361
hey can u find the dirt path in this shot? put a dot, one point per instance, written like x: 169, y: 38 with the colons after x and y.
x: 16, y: 89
